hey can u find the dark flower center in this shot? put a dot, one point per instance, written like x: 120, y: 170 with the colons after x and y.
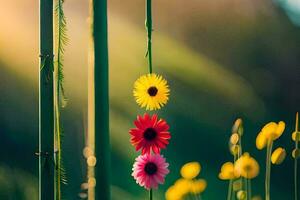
x: 150, y: 168
x: 152, y: 91
x: 150, y: 134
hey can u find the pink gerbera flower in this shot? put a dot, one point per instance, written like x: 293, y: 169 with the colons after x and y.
x: 150, y: 134
x: 149, y: 170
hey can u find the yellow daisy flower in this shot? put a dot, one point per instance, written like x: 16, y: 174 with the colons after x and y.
x: 151, y: 91
x: 247, y: 166
x: 278, y: 156
x: 190, y: 170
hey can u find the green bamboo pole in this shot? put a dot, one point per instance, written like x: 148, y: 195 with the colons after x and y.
x: 46, y: 112
x: 101, y: 102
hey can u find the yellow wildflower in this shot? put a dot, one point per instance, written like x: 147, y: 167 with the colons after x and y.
x: 296, y: 134
x: 238, y: 127
x: 241, y: 195
x: 190, y: 170
x: 272, y: 130
x: 234, y: 139
x: 247, y: 166
x: 183, y: 186
x: 235, y: 149
x: 278, y: 156
x: 173, y: 194
x: 198, y: 186
x: 261, y: 141
x: 228, y: 171
x: 296, y: 153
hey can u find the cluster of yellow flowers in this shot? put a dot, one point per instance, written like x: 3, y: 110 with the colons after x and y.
x: 188, y: 185
x: 246, y: 166
x: 242, y: 169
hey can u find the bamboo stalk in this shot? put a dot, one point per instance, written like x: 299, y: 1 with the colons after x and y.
x: 46, y: 111
x: 98, y: 102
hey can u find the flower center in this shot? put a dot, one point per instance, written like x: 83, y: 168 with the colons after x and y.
x: 152, y: 91
x: 150, y: 134
x: 150, y: 168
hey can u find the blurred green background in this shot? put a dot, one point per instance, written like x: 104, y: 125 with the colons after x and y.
x: 223, y: 59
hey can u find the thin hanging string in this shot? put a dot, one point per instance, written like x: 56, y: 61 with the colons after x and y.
x: 149, y: 33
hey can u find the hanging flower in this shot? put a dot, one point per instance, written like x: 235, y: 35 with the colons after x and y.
x: 190, y: 170
x: 278, y: 156
x: 149, y: 170
x: 151, y: 91
x: 247, y: 166
x: 228, y: 171
x: 150, y: 134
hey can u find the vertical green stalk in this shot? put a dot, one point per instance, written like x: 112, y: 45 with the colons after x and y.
x: 296, y: 157
x: 249, y: 188
x: 229, y: 193
x: 46, y: 98
x: 268, y: 170
x: 150, y: 194
x: 149, y: 32
x: 101, y: 105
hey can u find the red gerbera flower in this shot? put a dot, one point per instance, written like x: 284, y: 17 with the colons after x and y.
x: 150, y: 134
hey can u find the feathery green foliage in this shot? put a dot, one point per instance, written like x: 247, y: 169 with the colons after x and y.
x: 61, y: 41
x: 59, y: 93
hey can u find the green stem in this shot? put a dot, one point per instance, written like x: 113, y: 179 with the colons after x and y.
x: 295, y: 179
x: 296, y: 159
x: 150, y: 194
x: 57, y: 142
x: 46, y: 98
x: 240, y: 147
x: 149, y: 33
x: 100, y: 111
x: 268, y: 170
x: 249, y: 189
x: 229, y: 193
